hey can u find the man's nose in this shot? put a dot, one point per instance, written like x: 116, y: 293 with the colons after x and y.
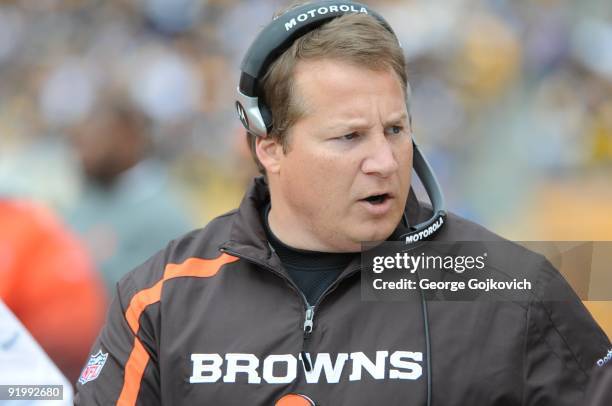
x: 380, y: 158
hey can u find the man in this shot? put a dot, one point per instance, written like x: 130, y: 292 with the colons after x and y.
x: 263, y: 305
x: 125, y: 210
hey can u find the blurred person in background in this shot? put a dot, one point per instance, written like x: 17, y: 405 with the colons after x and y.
x: 126, y: 210
x: 48, y: 281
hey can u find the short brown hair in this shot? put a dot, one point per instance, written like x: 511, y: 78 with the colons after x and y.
x: 354, y: 38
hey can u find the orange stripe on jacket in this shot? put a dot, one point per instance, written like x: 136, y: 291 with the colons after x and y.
x: 134, y: 369
x: 137, y: 362
x: 139, y: 302
x: 202, y: 268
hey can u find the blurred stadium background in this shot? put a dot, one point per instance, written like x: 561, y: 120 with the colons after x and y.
x: 119, y: 115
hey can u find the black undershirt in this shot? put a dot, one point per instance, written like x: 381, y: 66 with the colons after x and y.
x: 312, y: 271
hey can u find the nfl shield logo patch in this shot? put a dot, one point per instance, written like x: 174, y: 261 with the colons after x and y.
x: 93, y: 367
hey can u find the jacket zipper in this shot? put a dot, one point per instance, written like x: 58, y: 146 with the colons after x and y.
x: 309, y: 318
x: 308, y: 326
x: 309, y: 309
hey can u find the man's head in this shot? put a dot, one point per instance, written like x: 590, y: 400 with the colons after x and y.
x: 354, y: 38
x: 339, y: 155
x: 111, y: 140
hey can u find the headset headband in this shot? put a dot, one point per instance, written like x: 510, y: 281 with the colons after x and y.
x: 275, y: 39
x: 278, y: 36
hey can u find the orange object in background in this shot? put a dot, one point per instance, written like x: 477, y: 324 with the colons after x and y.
x: 48, y: 281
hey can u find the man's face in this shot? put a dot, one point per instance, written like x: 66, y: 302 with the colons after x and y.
x: 96, y: 143
x: 346, y: 174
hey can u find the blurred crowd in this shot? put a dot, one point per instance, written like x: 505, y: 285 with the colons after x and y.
x: 119, y: 115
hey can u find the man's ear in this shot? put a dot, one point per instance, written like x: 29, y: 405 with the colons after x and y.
x: 269, y: 152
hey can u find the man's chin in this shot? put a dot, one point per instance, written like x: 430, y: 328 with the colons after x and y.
x: 376, y: 233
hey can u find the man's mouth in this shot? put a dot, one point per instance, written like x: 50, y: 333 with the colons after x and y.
x: 377, y: 199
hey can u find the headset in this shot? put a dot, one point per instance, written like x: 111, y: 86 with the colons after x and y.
x: 256, y: 117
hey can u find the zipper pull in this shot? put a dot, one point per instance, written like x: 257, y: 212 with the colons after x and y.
x: 308, y: 326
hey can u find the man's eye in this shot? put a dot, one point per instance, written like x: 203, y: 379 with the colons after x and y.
x: 350, y: 136
x: 395, y: 130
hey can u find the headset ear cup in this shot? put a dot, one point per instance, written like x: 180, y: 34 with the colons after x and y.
x: 266, y: 115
